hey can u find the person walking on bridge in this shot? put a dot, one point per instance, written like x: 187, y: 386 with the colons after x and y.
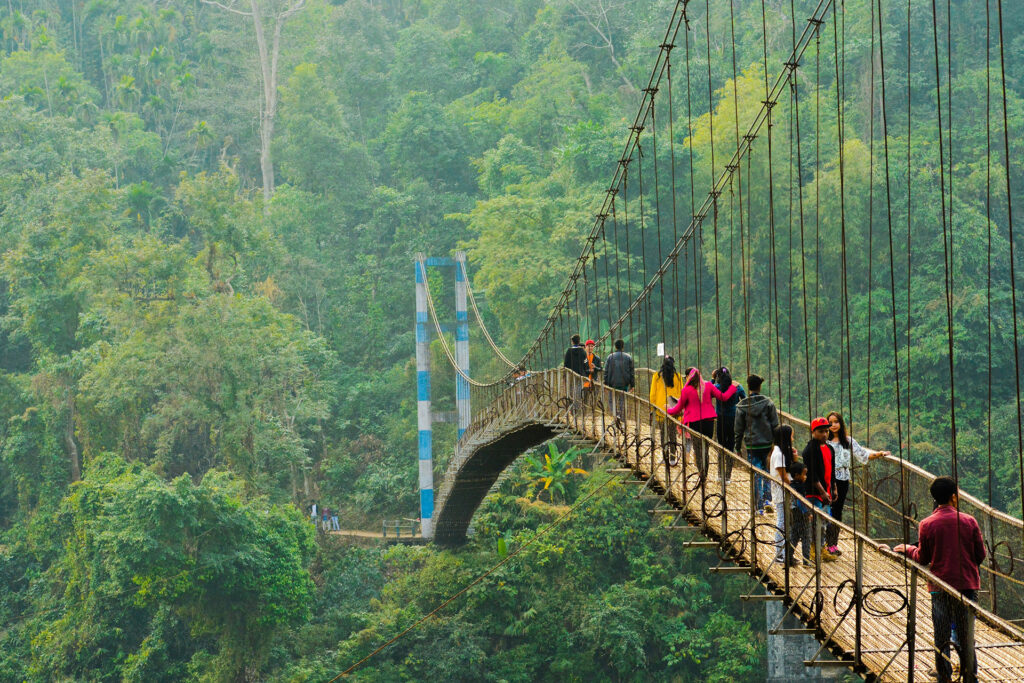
x: 699, y: 413
x: 576, y: 356
x: 665, y: 388
x: 754, y: 429
x: 619, y: 375
x: 951, y: 546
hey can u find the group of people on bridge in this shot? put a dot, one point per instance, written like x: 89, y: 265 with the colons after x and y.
x: 950, y: 541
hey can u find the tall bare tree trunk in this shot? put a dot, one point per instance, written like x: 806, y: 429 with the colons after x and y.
x: 269, y: 54
x: 69, y: 439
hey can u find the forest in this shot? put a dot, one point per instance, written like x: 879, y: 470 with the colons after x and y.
x: 209, y: 212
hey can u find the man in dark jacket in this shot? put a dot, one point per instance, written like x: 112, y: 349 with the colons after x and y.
x: 756, y: 422
x: 619, y: 375
x: 821, y: 475
x: 576, y: 357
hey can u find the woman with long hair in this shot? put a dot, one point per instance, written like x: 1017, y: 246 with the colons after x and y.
x: 665, y: 387
x: 699, y: 413
x: 846, y: 449
x: 726, y: 414
x: 783, y: 455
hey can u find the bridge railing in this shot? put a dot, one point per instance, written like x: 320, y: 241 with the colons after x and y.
x: 890, y: 496
x: 880, y: 598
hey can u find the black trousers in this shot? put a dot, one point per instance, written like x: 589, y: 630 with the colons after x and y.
x: 700, y: 446
x: 832, y: 533
x: 726, y: 439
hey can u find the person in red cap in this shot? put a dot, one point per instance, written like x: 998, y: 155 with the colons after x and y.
x: 821, y: 477
x: 593, y: 368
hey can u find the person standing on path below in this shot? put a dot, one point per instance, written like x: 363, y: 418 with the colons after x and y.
x: 619, y: 374
x: 754, y: 428
x: 950, y: 545
x: 846, y: 449
x: 699, y: 414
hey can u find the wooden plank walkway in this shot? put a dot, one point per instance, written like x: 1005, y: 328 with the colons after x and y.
x: 821, y: 596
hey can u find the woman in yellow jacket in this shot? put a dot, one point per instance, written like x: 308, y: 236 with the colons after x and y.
x: 665, y: 387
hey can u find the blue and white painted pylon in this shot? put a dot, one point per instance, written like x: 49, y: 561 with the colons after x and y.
x: 423, y: 417
x: 461, y: 343
x: 424, y: 413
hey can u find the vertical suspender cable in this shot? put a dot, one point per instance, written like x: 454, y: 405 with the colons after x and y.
x: 711, y: 127
x: 947, y: 250
x: 773, y: 270
x: 1013, y: 260
x: 794, y: 82
x: 892, y: 276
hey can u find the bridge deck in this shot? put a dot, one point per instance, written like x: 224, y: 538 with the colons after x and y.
x: 870, y: 634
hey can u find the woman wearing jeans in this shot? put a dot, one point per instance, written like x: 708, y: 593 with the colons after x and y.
x: 846, y: 448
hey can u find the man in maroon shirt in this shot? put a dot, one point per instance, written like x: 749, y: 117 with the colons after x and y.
x: 950, y: 544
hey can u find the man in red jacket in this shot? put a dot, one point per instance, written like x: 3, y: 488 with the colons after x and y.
x: 950, y: 544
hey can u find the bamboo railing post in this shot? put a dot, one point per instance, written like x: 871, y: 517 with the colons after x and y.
x: 753, y: 516
x: 912, y: 623
x: 787, y: 501
x: 858, y: 592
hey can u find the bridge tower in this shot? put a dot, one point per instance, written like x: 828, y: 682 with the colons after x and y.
x: 425, y: 416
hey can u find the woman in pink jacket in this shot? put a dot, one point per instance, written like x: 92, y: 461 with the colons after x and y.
x: 699, y: 413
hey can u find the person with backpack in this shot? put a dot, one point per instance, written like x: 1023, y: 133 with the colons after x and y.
x: 698, y: 413
x: 754, y: 429
x: 619, y: 374
x: 666, y: 385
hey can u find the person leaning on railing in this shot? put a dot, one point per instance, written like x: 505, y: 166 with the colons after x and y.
x: 950, y: 545
x: 846, y: 450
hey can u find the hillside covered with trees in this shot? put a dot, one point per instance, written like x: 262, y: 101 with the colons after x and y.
x: 206, y: 324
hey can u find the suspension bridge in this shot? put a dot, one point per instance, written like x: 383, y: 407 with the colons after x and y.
x: 767, y: 217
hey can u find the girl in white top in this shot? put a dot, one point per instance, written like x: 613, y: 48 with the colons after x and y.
x: 846, y: 449
x: 782, y: 456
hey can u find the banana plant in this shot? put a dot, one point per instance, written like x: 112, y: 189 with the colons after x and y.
x: 552, y: 472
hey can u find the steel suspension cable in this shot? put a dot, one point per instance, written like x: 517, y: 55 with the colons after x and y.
x: 773, y: 269
x: 739, y: 187
x: 844, y: 273
x: 675, y: 222
x: 480, y: 319
x: 795, y: 87
x: 440, y: 334
x: 1013, y: 260
x: 910, y: 281
x: 947, y: 250
x: 892, y: 277
x: 657, y: 207
x: 988, y: 231
x: 714, y: 219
